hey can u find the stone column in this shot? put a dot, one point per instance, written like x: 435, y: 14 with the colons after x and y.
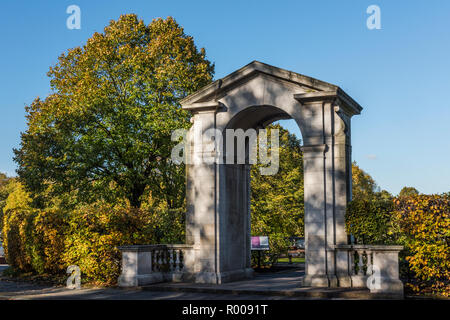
x: 201, y: 215
x: 341, y: 190
x: 315, y: 216
x: 218, y: 213
x: 233, y: 191
x: 327, y: 166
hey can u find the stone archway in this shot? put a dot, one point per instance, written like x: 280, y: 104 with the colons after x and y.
x: 218, y: 211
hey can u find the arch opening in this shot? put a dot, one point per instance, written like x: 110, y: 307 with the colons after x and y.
x: 277, y: 211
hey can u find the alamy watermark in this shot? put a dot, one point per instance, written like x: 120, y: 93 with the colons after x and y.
x: 374, y: 280
x: 374, y: 20
x: 74, y: 20
x: 229, y: 147
x: 74, y: 280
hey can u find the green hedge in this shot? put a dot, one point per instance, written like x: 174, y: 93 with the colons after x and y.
x: 370, y: 221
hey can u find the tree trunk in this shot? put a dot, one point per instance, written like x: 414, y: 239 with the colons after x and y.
x: 135, y: 197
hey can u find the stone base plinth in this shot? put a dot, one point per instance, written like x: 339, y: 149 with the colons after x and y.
x: 389, y: 286
x: 344, y: 281
x: 155, y: 277
x: 223, y: 277
x: 359, y: 281
x: 140, y: 280
x: 320, y: 281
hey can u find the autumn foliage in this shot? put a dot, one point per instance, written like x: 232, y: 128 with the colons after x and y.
x: 421, y: 223
x: 47, y: 241
x: 424, y: 227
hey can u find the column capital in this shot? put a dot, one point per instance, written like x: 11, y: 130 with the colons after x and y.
x: 337, y: 96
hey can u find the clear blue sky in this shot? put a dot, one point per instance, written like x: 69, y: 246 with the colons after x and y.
x: 399, y: 74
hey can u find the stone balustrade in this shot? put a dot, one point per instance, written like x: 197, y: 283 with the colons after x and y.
x: 373, y: 266
x: 369, y: 266
x: 147, y: 264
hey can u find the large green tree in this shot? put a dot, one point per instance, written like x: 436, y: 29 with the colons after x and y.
x: 368, y: 215
x: 365, y: 187
x: 105, y: 130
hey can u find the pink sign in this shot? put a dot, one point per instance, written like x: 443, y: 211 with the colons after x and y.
x: 260, y: 243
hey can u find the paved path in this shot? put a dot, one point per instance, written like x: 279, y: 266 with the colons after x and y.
x: 121, y: 294
x: 19, y: 291
x: 273, y: 286
x: 13, y: 290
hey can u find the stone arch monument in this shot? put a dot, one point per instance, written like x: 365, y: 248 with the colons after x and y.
x: 218, y: 196
x: 217, y: 248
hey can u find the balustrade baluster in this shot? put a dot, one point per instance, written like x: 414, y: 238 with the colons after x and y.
x: 163, y: 259
x: 352, y: 262
x: 159, y: 259
x: 177, y: 260
x: 171, y: 259
x: 155, y: 262
x: 369, y: 271
x: 182, y: 255
x: 364, y: 260
x: 360, y: 262
x: 151, y: 261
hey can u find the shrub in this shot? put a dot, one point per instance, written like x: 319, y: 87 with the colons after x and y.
x: 47, y: 235
x: 370, y: 221
x: 17, y: 229
x: 424, y: 224
x: 95, y: 232
x: 47, y: 241
x: 421, y: 223
x: 5, y: 189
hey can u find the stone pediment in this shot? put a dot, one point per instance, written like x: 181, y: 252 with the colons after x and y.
x: 315, y: 89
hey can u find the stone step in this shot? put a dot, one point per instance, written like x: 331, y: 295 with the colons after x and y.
x: 301, y: 292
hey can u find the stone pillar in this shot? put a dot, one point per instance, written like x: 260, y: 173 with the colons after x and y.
x: 342, y: 167
x: 234, y: 223
x: 327, y: 166
x: 385, y: 260
x: 218, y: 212
x: 315, y: 216
x: 201, y: 215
